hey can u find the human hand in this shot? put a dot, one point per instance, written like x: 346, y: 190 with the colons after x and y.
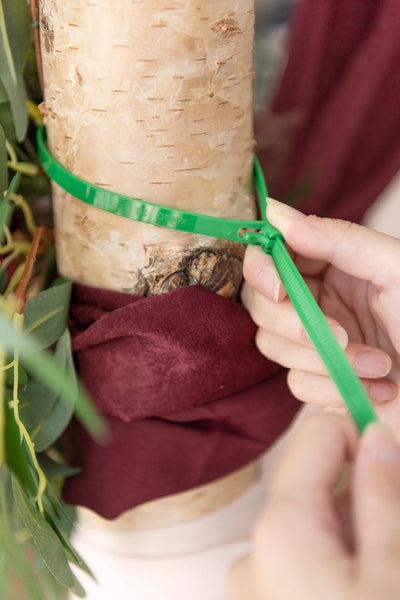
x: 301, y: 548
x: 354, y: 274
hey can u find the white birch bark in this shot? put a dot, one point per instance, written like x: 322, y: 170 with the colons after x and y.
x: 152, y: 99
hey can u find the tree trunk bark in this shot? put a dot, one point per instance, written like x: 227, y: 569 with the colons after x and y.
x: 152, y: 99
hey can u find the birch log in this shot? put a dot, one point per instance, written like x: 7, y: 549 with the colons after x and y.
x: 152, y: 99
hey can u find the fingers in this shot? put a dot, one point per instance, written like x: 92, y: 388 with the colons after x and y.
x: 242, y: 581
x: 300, y: 532
x: 356, y: 250
x: 260, y: 271
x: 377, y: 498
x: 320, y: 446
x: 280, y: 318
x: 320, y: 390
x: 367, y: 362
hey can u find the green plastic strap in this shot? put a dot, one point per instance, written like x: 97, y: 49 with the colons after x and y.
x: 327, y: 346
x: 146, y: 212
x: 248, y: 232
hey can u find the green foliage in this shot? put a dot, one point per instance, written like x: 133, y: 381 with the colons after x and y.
x: 39, y: 389
x: 43, y: 410
x: 14, y: 39
x: 45, y: 315
x: 44, y: 537
x: 3, y: 162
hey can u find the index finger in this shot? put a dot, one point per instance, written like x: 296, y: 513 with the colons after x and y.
x: 321, y: 445
x: 352, y: 248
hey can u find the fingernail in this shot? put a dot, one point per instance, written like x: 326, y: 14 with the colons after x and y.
x: 341, y: 335
x: 284, y: 210
x: 373, y: 364
x: 380, y: 443
x: 382, y: 391
x: 269, y: 284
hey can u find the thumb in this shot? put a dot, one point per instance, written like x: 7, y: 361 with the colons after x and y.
x: 376, y: 480
x: 356, y: 250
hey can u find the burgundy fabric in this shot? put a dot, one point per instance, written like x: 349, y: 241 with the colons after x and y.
x: 343, y: 77
x: 187, y: 396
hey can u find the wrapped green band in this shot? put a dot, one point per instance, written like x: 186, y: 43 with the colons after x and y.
x: 248, y: 232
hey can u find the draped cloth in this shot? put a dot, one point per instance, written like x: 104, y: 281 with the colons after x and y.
x: 186, y: 394
x: 342, y: 81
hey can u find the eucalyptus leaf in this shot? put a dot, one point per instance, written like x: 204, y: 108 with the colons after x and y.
x: 46, y: 314
x: 16, y: 455
x: 57, y: 522
x: 11, y: 70
x: 77, y: 590
x: 3, y: 163
x: 19, y: 561
x: 3, y: 280
x: 7, y: 121
x: 21, y: 18
x: 45, y: 368
x: 52, y: 468
x: 45, y: 539
x: 36, y: 402
x: 22, y: 377
x: 44, y: 412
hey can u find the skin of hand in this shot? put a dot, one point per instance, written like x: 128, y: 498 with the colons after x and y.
x: 354, y: 274
x: 300, y: 547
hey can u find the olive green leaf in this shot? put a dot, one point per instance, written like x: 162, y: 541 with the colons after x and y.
x: 7, y: 121
x: 44, y: 412
x: 47, y: 370
x: 16, y: 556
x: 17, y: 456
x: 19, y: 12
x: 11, y: 70
x: 52, y: 468
x: 46, y: 314
x: 44, y: 537
x: 59, y: 516
x: 3, y: 163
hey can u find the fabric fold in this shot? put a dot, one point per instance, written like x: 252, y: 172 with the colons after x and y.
x: 186, y: 394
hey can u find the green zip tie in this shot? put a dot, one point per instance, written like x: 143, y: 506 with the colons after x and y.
x: 260, y: 233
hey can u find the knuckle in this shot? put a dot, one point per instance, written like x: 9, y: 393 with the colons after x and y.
x: 295, y: 382
x: 263, y: 342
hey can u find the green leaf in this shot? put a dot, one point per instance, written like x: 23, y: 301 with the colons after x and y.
x: 16, y: 455
x: 3, y: 163
x: 17, y: 558
x: 21, y: 19
x: 45, y: 539
x: 7, y: 121
x: 45, y: 369
x: 11, y: 70
x: 52, y: 468
x: 60, y: 521
x: 22, y: 377
x: 45, y: 315
x: 45, y: 413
